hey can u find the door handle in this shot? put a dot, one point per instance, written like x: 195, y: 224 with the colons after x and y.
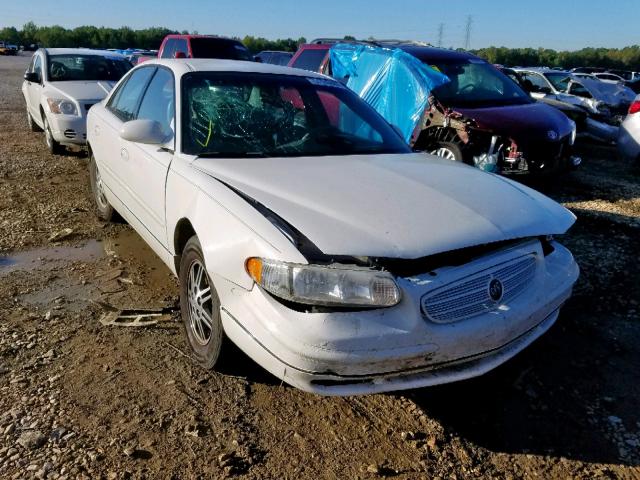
x: 96, y: 130
x: 124, y: 154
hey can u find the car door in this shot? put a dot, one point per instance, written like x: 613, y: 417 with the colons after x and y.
x: 111, y: 155
x: 34, y: 89
x: 147, y: 165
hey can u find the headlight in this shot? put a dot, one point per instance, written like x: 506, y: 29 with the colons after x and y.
x: 330, y: 285
x: 65, y: 107
x: 574, y: 132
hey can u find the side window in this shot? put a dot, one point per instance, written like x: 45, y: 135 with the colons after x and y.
x: 310, y: 59
x: 124, y: 104
x: 538, y: 83
x: 579, y: 90
x: 169, y: 48
x: 181, y: 46
x: 158, y: 101
x: 37, y: 66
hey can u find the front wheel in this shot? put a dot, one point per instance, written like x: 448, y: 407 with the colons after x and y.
x: 448, y: 150
x: 200, y: 307
x: 33, y: 126
x: 54, y: 147
x: 104, y: 210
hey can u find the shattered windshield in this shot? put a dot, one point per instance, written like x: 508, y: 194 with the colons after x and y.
x: 251, y: 114
x: 475, y: 83
x: 86, y: 67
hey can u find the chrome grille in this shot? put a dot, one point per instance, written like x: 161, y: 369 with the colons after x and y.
x: 470, y: 296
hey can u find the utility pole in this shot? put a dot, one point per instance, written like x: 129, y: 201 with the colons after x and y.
x: 467, y: 37
x: 440, y: 34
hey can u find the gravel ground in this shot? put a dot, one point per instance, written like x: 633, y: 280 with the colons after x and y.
x: 79, y: 399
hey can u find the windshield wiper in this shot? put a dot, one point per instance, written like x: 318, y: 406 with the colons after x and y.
x: 233, y: 155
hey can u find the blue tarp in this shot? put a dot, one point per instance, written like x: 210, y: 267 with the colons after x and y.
x: 392, y: 81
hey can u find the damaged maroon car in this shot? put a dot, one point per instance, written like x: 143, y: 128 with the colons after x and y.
x: 483, y: 118
x: 480, y: 116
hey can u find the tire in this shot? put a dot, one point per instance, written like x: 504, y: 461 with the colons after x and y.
x: 448, y: 150
x: 205, y: 342
x: 104, y: 210
x: 54, y: 147
x: 33, y: 126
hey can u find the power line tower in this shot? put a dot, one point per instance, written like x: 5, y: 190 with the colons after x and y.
x: 467, y: 36
x: 440, y: 34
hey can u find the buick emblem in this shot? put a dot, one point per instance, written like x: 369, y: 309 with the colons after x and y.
x: 495, y: 290
x: 552, y: 135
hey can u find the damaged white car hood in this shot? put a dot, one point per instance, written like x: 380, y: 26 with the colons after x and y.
x: 400, y: 205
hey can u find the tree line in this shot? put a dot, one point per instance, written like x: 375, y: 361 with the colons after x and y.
x: 121, y: 38
x: 627, y: 58
x: 150, y: 39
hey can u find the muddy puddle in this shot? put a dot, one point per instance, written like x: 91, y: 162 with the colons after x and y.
x: 52, y: 257
x: 127, y: 245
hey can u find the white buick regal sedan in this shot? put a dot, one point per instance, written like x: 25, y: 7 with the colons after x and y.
x: 303, y: 229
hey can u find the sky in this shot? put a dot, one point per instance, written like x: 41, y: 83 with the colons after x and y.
x: 557, y: 24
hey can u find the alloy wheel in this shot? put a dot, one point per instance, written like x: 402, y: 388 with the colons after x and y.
x: 444, y: 153
x: 200, y: 304
x: 47, y: 134
x: 101, y: 199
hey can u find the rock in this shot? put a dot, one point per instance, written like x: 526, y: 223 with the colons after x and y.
x: 32, y: 440
x: 129, y: 451
x: 9, y: 429
x: 373, y: 468
x: 613, y: 420
x: 61, y: 235
x: 50, y: 354
x: 225, y: 459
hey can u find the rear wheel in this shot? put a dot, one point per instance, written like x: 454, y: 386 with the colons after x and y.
x: 104, y: 210
x: 200, y: 306
x: 53, y: 146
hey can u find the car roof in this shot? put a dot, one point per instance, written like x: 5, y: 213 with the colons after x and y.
x: 433, y: 54
x: 189, y: 35
x: 86, y: 51
x: 183, y: 66
x: 541, y: 70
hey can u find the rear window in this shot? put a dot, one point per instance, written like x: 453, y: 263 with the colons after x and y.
x: 310, y: 59
x: 219, y: 48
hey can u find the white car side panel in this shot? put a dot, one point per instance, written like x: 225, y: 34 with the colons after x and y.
x: 221, y: 220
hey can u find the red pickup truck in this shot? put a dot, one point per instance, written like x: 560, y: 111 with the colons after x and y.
x: 201, y: 46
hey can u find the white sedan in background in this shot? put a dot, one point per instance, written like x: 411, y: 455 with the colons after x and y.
x: 303, y: 229
x: 61, y: 84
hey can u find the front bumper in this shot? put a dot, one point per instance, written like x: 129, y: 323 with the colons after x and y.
x: 349, y: 353
x: 68, y: 129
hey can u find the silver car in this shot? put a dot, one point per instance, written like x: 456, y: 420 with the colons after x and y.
x: 629, y: 133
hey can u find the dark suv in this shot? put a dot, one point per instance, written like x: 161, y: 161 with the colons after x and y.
x: 480, y: 117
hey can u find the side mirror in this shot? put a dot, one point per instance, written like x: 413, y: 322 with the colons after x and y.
x: 179, y: 55
x: 143, y: 131
x: 546, y: 90
x: 32, y: 77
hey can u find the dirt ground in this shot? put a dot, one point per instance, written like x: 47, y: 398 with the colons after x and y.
x: 79, y: 399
